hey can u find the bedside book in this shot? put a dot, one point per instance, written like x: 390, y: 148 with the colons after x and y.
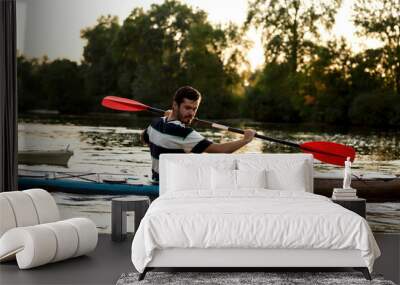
x: 344, y: 194
x: 344, y: 190
x: 335, y: 197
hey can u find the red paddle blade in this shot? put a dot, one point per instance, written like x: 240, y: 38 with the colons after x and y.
x: 329, y: 152
x: 123, y: 104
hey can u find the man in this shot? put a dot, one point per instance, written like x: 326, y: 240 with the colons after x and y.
x: 171, y: 134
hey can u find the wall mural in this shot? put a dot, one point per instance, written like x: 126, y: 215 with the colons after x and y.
x: 334, y: 79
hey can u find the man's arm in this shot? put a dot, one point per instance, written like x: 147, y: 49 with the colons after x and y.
x: 230, y: 147
x: 144, y: 137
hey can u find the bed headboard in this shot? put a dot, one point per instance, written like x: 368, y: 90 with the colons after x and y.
x: 236, y: 159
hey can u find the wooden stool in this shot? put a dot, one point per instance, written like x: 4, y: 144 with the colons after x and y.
x: 119, y: 207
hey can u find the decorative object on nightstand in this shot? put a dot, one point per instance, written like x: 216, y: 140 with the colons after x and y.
x: 347, y: 196
x: 119, y: 207
x: 345, y: 193
x: 357, y: 205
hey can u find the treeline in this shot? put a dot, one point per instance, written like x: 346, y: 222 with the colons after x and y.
x: 154, y: 52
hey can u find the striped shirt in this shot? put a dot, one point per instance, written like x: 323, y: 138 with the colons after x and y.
x: 171, y: 137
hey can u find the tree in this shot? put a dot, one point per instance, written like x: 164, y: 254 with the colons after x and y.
x: 325, y: 84
x: 365, y: 75
x: 376, y: 108
x: 270, y: 98
x: 210, y: 68
x: 171, y: 45
x: 150, y: 47
x: 380, y: 19
x: 289, y: 27
x: 63, y: 85
x: 29, y: 95
x: 99, y: 65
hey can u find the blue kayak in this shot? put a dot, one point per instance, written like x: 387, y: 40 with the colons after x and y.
x: 83, y: 187
x: 383, y: 189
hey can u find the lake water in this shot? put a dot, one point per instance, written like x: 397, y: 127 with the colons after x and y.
x: 110, y: 144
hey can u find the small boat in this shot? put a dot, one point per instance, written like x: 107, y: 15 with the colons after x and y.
x: 50, y: 157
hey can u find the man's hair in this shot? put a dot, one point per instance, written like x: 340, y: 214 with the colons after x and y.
x: 187, y: 92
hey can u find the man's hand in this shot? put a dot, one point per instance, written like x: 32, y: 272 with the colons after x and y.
x: 167, y: 113
x: 249, y: 135
x: 230, y: 147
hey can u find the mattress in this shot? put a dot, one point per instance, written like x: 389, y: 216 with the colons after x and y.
x: 250, y: 219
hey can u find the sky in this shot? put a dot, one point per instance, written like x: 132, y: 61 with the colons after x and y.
x: 52, y: 27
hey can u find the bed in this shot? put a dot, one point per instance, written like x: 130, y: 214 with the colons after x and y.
x: 247, y: 210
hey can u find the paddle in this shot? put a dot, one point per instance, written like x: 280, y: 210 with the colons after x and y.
x: 328, y: 152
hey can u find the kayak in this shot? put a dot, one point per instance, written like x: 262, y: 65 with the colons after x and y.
x: 374, y: 189
x: 87, y: 187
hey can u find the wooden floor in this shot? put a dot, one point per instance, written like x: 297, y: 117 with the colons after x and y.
x: 110, y: 259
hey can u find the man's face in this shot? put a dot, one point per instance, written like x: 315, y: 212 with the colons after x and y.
x: 186, y: 111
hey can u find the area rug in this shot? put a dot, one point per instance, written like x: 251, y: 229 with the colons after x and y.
x: 242, y: 278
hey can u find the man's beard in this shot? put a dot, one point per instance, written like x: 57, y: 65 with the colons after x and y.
x: 186, y: 120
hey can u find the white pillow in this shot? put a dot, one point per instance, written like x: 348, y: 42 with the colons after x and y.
x: 251, y: 178
x: 281, y: 174
x: 223, y: 179
x: 291, y: 180
x: 188, y: 177
x: 231, y: 180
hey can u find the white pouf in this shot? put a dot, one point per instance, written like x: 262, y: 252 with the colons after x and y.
x: 31, y: 233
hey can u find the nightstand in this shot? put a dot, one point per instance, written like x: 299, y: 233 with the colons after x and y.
x: 357, y: 205
x: 119, y: 207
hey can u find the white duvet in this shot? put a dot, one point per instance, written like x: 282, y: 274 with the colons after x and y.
x: 250, y: 219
